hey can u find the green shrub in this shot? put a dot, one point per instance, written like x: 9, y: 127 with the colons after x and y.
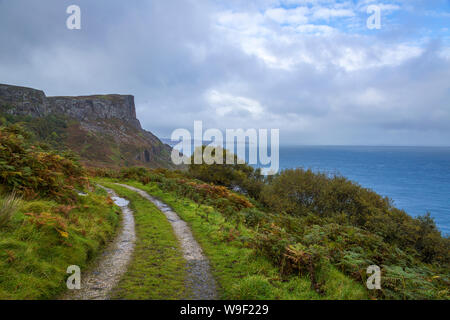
x: 234, y: 176
x: 50, y: 130
x: 253, y: 217
x: 301, y: 193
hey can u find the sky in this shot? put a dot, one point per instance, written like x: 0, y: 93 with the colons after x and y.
x: 311, y: 68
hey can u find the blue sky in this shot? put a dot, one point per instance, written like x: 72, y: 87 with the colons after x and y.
x: 310, y: 68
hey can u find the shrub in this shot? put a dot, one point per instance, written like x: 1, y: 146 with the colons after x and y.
x: 31, y: 171
x: 253, y: 217
x: 241, y: 177
x: 314, y: 248
x: 50, y: 129
x: 301, y: 193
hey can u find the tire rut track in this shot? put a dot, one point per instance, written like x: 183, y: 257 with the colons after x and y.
x: 199, y: 280
x: 97, y: 283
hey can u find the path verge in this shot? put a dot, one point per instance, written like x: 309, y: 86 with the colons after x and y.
x: 97, y: 283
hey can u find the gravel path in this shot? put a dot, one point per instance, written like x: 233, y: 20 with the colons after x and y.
x: 96, y: 284
x: 200, y: 280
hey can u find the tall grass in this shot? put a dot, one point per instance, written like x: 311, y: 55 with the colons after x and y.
x: 8, y: 207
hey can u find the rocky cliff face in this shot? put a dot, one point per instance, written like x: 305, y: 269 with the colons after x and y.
x: 33, y: 102
x: 96, y: 107
x: 103, y: 129
x: 26, y: 101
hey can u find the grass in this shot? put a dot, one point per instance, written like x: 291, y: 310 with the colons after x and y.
x: 157, y: 270
x: 241, y: 272
x: 43, y: 238
x: 8, y: 208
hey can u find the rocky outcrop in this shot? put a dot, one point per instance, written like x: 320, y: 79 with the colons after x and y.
x: 96, y: 107
x: 27, y: 101
x: 103, y: 129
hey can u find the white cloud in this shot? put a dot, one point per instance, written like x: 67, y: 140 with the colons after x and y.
x: 288, y: 46
x: 370, y: 98
x: 288, y: 16
x: 315, y: 29
x: 327, y: 13
x: 225, y: 104
x: 360, y: 58
x: 386, y: 8
x: 445, y: 53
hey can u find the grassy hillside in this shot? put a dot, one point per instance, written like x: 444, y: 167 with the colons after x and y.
x: 306, y: 231
x: 296, y: 235
x: 102, y: 143
x: 45, y: 225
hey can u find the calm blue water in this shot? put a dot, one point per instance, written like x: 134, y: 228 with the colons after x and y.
x: 416, y: 178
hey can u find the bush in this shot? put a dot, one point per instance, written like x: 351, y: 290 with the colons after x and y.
x: 253, y: 217
x: 50, y: 129
x: 241, y: 177
x: 301, y: 193
x: 31, y: 171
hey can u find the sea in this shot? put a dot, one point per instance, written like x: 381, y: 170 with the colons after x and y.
x: 417, y: 179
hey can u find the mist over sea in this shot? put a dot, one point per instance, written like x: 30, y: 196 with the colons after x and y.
x: 416, y: 178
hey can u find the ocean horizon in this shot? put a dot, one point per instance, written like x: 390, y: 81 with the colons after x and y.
x: 417, y: 179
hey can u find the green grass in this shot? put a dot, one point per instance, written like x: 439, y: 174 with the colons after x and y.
x: 241, y: 272
x: 157, y: 270
x: 8, y: 208
x: 35, y: 251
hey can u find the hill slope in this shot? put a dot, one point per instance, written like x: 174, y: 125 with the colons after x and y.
x: 102, y: 129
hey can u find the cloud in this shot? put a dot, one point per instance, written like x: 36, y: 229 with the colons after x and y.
x: 326, y: 13
x: 308, y: 67
x: 288, y: 16
x: 227, y: 104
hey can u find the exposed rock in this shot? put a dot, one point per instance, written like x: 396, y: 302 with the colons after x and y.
x: 104, y: 129
x: 96, y: 107
x: 27, y: 101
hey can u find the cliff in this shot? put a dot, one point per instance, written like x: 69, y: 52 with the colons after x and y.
x: 34, y: 102
x: 103, y: 129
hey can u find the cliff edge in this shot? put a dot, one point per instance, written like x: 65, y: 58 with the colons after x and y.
x: 103, y: 129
